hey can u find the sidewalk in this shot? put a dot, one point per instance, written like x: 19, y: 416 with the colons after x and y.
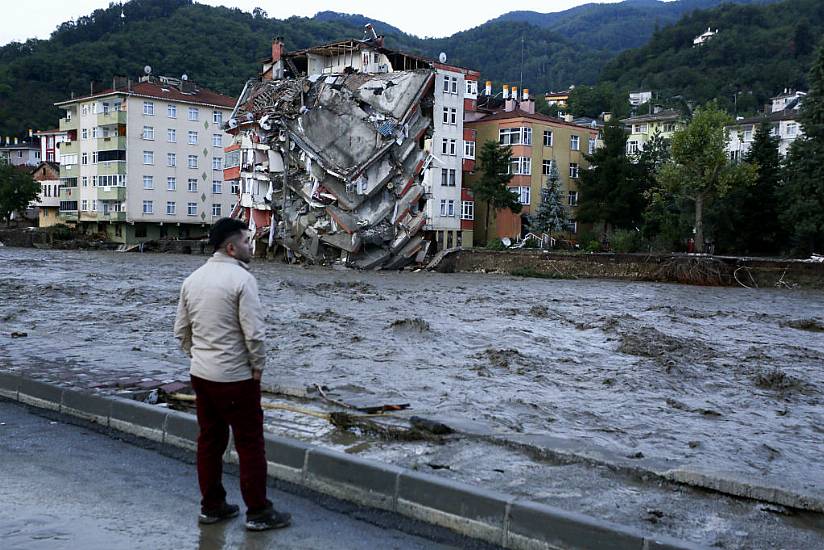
x: 65, y: 486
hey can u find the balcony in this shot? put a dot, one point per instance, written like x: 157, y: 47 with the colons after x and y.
x: 111, y: 143
x: 88, y: 216
x: 67, y: 124
x: 111, y: 117
x: 67, y: 216
x: 69, y: 148
x: 69, y: 171
x: 111, y: 193
x: 69, y: 193
x: 112, y: 216
x: 111, y: 168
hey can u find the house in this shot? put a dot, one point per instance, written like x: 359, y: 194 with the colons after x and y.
x: 704, y: 37
x: 47, y: 205
x: 17, y: 152
x: 144, y: 160
x: 642, y: 128
x: 782, y: 116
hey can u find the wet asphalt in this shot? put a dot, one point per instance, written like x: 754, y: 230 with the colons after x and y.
x: 67, y: 486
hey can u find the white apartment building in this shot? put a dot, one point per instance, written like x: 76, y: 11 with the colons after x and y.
x: 782, y: 118
x: 144, y: 160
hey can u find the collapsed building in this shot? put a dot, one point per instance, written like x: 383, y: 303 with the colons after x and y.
x: 331, y: 146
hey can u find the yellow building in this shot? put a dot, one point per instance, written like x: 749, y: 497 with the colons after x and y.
x: 642, y: 128
x: 537, y: 142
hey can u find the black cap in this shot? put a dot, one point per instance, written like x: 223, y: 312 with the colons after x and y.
x: 223, y: 229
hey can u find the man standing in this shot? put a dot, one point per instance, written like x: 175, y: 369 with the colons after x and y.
x: 220, y: 326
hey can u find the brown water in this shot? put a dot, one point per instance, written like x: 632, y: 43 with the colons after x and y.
x: 725, y: 378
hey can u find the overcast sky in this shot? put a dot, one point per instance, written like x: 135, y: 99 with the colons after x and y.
x: 38, y: 18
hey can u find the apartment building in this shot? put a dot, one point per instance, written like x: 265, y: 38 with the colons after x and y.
x: 781, y: 114
x: 144, y: 160
x: 642, y: 128
x: 50, y: 140
x: 539, y: 143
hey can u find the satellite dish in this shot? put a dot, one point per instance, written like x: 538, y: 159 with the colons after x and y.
x: 185, y: 77
x: 442, y: 57
x: 147, y: 69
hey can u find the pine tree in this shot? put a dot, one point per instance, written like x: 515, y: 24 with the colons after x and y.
x: 551, y: 216
x: 803, y: 207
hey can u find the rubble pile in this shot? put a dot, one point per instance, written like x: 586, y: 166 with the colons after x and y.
x: 337, y: 161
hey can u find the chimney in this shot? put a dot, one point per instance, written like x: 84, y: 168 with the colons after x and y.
x: 488, y: 88
x: 277, y: 49
x: 607, y: 117
x: 31, y: 133
x: 506, y: 91
x: 526, y: 94
x: 15, y: 140
x: 568, y: 118
x: 515, y: 93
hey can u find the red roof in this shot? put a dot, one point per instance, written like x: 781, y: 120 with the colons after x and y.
x: 164, y: 91
x: 507, y: 115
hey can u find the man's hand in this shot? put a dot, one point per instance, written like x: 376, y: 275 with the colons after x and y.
x: 256, y: 374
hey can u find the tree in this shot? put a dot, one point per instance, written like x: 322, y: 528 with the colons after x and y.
x: 551, y: 215
x: 803, y: 206
x: 611, y: 191
x: 700, y: 168
x: 17, y: 190
x: 491, y: 187
x: 746, y: 219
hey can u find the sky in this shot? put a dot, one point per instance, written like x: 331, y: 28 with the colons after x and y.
x: 421, y: 17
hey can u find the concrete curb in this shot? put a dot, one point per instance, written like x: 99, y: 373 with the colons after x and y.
x: 486, y: 515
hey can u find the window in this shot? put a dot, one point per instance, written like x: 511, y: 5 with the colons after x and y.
x: 191, y: 209
x: 217, y: 163
x: 546, y: 167
x: 148, y: 182
x: 94, y: 181
x: 591, y: 146
x: 94, y: 132
x: 94, y: 157
x: 792, y: 129
x: 443, y: 207
x: 84, y: 158
x: 171, y: 206
x: 471, y: 87
x: 520, y: 166
x: 574, y: 143
x: 84, y: 133
x: 235, y: 188
x: 573, y: 169
x: 524, y: 193
x: 215, y: 210
x: 171, y: 160
x: 572, y: 198
x: 573, y: 226
x: 449, y: 146
x: 148, y: 132
x: 640, y: 129
x: 191, y: 185
x: 148, y: 207
x: 192, y: 161
x: 469, y: 149
x: 217, y: 117
x: 450, y: 115
x: 453, y: 177
x: 748, y: 135
x: 94, y: 205
x: 84, y: 111
x: 446, y: 80
x: 148, y: 108
x: 217, y: 187
x: 217, y: 140
x: 515, y: 136
x: 193, y: 113
x: 148, y: 157
x: 171, y: 110
x: 192, y: 138
x: 450, y: 208
x: 171, y: 135
x: 547, y: 138
x: 171, y: 183
x: 84, y: 205
x: 454, y: 85
x: 467, y: 210
x: 669, y: 127
x: 444, y: 176
x: 85, y: 180
x: 632, y: 147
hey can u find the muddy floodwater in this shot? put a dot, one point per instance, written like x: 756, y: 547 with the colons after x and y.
x: 730, y: 379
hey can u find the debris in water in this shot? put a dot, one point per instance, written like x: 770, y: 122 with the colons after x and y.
x: 812, y: 325
x: 17, y: 334
x: 776, y: 379
x: 415, y: 323
x: 431, y: 426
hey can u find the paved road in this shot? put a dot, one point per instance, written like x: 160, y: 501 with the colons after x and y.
x: 66, y: 486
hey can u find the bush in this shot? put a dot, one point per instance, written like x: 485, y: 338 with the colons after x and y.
x: 592, y: 246
x: 60, y: 232
x: 495, y: 244
x: 626, y: 240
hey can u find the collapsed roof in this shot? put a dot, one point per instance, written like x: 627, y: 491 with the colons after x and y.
x: 338, y: 159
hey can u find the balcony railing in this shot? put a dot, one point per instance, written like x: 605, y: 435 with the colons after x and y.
x: 111, y: 117
x: 69, y: 171
x: 69, y: 148
x: 68, y: 124
x: 111, y: 143
x: 111, y: 168
x: 111, y: 193
x: 112, y: 216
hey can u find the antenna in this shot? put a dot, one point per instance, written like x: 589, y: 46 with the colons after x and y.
x: 147, y: 69
x: 442, y: 57
x: 521, y: 83
x: 184, y: 77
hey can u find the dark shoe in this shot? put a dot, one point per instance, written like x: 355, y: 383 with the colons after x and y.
x: 226, y: 511
x: 268, y: 519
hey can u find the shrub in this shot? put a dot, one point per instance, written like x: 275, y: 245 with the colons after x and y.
x: 626, y: 240
x: 495, y: 244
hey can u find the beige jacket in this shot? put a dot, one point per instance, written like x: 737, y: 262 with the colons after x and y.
x: 220, y: 321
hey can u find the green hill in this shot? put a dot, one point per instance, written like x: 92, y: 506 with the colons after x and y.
x: 759, y: 51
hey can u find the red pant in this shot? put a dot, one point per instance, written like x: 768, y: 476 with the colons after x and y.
x: 219, y: 406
